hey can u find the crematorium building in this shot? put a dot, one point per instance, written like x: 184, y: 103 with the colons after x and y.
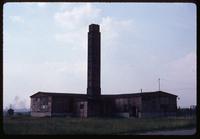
x: 94, y: 104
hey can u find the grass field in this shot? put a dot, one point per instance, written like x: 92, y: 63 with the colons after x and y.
x: 61, y: 125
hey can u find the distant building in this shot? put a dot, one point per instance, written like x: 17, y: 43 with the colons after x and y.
x: 93, y: 104
x: 147, y: 104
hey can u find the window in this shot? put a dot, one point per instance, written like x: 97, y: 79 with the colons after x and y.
x: 125, y: 108
x: 44, y: 106
x: 81, y: 106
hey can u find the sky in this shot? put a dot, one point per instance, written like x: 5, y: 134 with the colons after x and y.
x: 45, y: 49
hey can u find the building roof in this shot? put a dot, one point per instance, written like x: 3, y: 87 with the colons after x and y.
x: 139, y: 94
x: 104, y: 95
x: 58, y: 94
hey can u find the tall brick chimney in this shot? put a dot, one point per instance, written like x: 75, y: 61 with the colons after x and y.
x: 94, y: 61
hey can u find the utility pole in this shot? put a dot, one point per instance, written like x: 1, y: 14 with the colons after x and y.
x: 158, y: 84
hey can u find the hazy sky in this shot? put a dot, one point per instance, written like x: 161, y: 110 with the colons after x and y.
x: 45, y: 49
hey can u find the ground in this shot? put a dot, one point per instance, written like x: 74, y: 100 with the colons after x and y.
x: 116, y: 126
x: 172, y: 132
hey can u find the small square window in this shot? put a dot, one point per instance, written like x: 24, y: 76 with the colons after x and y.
x: 44, y: 106
x: 81, y: 106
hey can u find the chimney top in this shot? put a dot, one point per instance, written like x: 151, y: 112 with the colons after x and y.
x: 94, y: 27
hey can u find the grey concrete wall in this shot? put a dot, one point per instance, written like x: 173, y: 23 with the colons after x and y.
x: 123, y: 114
x: 41, y: 104
x: 130, y: 105
x: 40, y: 114
x: 157, y: 114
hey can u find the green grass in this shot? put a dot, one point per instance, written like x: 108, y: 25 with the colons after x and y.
x: 61, y: 125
